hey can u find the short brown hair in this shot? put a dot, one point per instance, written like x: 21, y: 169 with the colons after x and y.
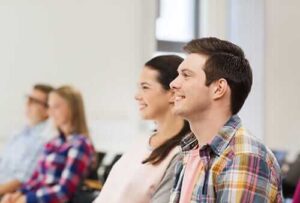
x: 225, y: 60
x: 43, y: 88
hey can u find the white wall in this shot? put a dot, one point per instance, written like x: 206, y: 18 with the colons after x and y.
x: 241, y: 22
x: 100, y: 45
x: 269, y: 33
x: 246, y: 25
x: 282, y: 74
x: 214, y: 18
x: 96, y: 45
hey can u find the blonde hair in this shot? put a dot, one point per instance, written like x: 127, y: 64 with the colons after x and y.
x: 75, y: 103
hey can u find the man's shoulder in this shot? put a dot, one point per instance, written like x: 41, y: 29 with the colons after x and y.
x: 46, y: 131
x: 17, y: 136
x: 244, y: 144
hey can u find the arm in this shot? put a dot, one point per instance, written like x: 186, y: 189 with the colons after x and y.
x: 163, y: 192
x: 77, y: 162
x: 21, y: 199
x: 248, y: 178
x: 34, y: 180
x: 25, y: 168
x: 11, y: 197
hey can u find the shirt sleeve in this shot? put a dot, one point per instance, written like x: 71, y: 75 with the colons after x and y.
x: 77, y: 162
x: 30, y: 183
x: 249, y: 178
x: 178, y: 179
x: 25, y: 169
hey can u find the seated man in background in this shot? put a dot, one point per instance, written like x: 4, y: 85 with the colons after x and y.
x: 20, y: 154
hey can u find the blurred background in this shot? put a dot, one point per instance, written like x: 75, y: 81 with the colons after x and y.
x: 100, y: 46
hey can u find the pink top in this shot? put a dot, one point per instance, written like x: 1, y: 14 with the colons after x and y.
x: 296, y: 198
x: 130, y: 181
x: 193, y: 166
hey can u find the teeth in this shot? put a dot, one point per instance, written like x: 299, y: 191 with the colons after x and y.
x: 142, y: 106
x: 177, y: 98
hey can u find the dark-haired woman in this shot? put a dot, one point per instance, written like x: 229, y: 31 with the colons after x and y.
x: 146, y: 172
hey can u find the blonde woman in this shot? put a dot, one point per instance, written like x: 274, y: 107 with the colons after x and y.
x: 66, y: 158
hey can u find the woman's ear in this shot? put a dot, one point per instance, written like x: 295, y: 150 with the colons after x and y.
x: 220, y: 88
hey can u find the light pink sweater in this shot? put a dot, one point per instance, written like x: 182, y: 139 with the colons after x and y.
x: 130, y: 181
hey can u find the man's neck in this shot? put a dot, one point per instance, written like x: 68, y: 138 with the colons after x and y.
x: 206, y: 128
x: 35, y: 124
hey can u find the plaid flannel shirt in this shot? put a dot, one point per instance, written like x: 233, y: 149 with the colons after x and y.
x: 238, y: 168
x: 61, y: 168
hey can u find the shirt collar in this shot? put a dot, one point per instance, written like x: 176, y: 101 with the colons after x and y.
x: 68, y: 138
x: 219, y: 142
x: 222, y: 139
x: 189, y: 142
x: 36, y: 129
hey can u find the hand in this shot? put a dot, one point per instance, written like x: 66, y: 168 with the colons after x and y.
x: 6, y: 198
x: 11, y: 197
x: 1, y: 190
x: 21, y: 199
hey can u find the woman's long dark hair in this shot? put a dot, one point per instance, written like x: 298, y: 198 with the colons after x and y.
x: 166, y: 66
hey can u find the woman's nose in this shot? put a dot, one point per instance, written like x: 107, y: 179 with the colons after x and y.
x: 137, y: 96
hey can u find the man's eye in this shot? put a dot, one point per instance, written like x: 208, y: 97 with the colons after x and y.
x: 184, y: 74
x: 145, y: 87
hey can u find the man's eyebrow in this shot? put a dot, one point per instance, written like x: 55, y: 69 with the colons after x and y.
x: 145, y: 83
x: 185, y: 70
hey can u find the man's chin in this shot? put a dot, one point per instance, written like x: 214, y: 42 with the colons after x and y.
x: 32, y: 122
x: 145, y: 115
x: 177, y: 110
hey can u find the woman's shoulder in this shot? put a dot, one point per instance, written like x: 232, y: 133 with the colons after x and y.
x: 162, y: 193
x: 80, y: 141
x: 175, y: 153
x: 78, y: 138
x: 53, y: 142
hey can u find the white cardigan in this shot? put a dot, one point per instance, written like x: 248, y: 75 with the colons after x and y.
x: 130, y: 181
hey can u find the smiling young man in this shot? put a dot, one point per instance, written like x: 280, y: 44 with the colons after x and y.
x: 223, y: 162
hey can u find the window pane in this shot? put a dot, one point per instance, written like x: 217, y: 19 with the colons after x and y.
x: 175, y: 21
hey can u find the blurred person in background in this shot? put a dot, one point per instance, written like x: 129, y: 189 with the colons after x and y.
x: 20, y: 154
x: 66, y: 158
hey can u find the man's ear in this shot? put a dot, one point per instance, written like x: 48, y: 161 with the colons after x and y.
x: 220, y: 88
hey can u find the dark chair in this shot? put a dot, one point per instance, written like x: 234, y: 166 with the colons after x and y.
x: 93, y: 175
x: 90, y: 187
x: 280, y: 156
x: 291, y: 179
x: 108, y: 168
